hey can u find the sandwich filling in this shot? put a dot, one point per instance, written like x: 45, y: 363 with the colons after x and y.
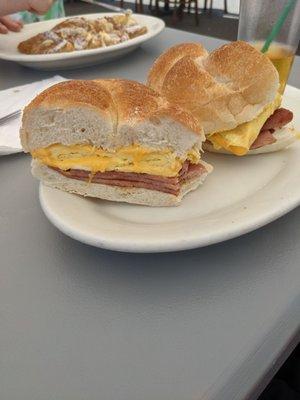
x: 130, y: 166
x: 253, y: 134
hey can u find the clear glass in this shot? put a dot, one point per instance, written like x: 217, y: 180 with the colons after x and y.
x: 257, y: 18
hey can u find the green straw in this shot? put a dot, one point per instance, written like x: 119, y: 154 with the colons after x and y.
x: 278, y: 25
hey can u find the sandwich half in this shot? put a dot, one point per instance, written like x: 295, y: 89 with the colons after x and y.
x: 113, y: 139
x: 232, y: 92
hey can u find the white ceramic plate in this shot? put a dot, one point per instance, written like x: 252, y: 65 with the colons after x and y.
x: 9, y: 45
x: 242, y: 194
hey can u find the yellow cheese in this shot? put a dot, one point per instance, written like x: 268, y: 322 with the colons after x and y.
x: 126, y: 159
x: 239, y: 140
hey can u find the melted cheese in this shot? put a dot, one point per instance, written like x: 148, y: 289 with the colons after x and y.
x: 126, y: 159
x: 239, y: 140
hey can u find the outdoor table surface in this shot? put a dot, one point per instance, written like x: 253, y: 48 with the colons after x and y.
x: 81, y: 323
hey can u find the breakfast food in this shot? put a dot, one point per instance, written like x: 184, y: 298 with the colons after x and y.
x: 114, y: 139
x: 80, y: 33
x: 232, y: 92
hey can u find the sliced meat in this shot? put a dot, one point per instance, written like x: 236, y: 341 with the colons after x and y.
x: 111, y: 175
x: 185, y: 167
x: 161, y: 187
x: 278, y: 119
x: 264, y: 138
x: 147, y: 181
x: 193, y: 171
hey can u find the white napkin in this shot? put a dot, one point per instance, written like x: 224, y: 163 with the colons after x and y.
x: 14, y: 99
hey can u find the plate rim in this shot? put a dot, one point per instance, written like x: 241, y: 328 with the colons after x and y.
x: 46, y: 58
x: 176, y: 245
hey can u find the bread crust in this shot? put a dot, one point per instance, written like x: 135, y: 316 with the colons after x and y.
x: 68, y: 93
x: 169, y: 58
x: 222, y: 89
x: 107, y: 113
x: 136, y: 102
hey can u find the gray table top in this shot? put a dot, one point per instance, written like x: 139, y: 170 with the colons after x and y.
x: 83, y: 323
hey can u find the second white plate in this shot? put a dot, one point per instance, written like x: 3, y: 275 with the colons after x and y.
x: 9, y: 45
x: 242, y: 194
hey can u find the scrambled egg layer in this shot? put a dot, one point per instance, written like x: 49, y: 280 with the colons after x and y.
x: 239, y: 140
x: 126, y: 159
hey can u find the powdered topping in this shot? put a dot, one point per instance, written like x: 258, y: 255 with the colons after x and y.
x: 75, y: 34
